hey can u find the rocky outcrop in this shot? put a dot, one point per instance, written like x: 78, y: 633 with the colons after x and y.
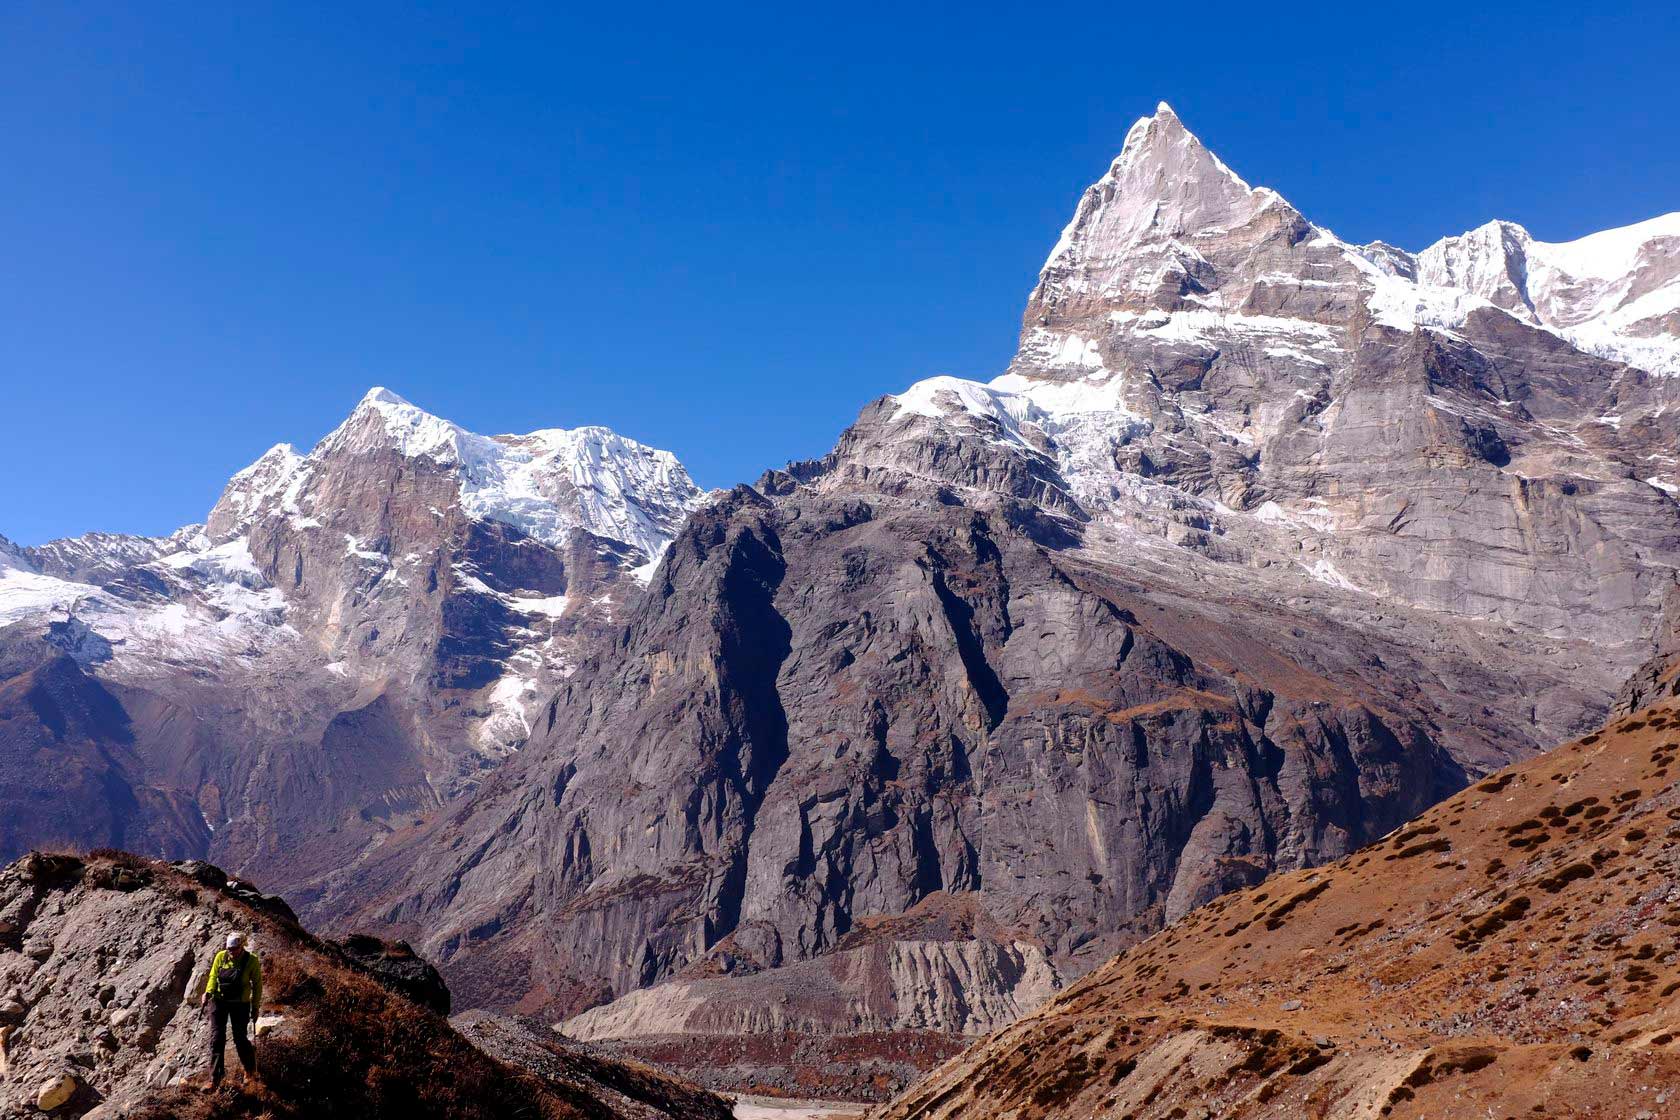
x: 1509, y: 953
x: 398, y: 967
x: 100, y: 963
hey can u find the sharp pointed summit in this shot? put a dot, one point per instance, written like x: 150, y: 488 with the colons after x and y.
x: 381, y: 395
x: 1147, y: 236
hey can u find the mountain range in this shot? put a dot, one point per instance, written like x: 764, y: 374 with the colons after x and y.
x: 352, y: 638
x: 1264, y: 543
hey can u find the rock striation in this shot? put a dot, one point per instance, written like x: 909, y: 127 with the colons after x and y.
x: 1509, y: 953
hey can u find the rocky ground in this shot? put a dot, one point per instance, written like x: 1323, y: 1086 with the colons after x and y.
x: 100, y: 958
x: 1513, y: 952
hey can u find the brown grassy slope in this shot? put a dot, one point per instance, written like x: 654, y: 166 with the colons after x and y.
x: 1511, y: 953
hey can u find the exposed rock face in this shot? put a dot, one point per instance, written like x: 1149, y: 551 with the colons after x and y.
x: 1391, y: 422
x: 1510, y: 953
x: 399, y: 968
x: 101, y: 961
x: 894, y: 996
x: 900, y: 985
x: 1261, y: 547
x: 353, y: 637
x: 1659, y: 677
x: 962, y: 711
x: 943, y: 965
x: 69, y: 768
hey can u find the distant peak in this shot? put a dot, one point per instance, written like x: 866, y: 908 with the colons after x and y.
x: 1499, y: 228
x: 1164, y: 185
x: 280, y: 456
x: 1163, y: 138
x: 381, y: 395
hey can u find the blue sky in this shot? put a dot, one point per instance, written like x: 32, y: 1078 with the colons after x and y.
x: 718, y: 229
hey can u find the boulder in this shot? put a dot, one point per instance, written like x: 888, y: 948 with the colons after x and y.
x: 396, y: 965
x: 206, y: 873
x: 56, y: 1091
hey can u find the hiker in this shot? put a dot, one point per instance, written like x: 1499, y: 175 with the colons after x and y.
x: 234, y: 993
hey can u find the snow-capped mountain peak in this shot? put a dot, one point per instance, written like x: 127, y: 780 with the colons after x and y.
x: 272, y: 480
x: 1615, y: 293
x: 383, y: 420
x: 1195, y: 335
x: 1164, y: 184
x: 545, y: 483
x: 1169, y: 230
x: 551, y: 480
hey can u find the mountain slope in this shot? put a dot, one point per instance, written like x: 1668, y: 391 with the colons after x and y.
x: 101, y: 960
x: 352, y: 638
x: 1510, y: 952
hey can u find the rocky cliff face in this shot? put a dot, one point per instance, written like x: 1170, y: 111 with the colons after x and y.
x: 1403, y: 425
x: 1262, y: 545
x: 352, y: 639
x: 1509, y: 953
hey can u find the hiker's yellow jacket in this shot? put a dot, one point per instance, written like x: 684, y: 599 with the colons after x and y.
x: 235, y: 981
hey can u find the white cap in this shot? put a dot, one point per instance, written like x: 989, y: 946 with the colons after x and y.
x: 235, y: 940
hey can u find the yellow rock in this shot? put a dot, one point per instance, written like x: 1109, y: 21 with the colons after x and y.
x: 55, y: 1092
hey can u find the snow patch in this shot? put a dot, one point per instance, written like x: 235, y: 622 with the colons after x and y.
x: 25, y: 594
x: 552, y: 606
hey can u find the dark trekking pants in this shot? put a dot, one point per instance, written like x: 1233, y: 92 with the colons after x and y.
x: 224, y: 1013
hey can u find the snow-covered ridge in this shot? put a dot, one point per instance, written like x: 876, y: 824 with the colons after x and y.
x: 1081, y: 422
x: 25, y: 590
x: 546, y: 483
x: 218, y: 603
x: 1615, y: 294
x: 273, y: 480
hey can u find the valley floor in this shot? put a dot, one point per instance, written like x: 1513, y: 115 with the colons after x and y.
x: 773, y: 1108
